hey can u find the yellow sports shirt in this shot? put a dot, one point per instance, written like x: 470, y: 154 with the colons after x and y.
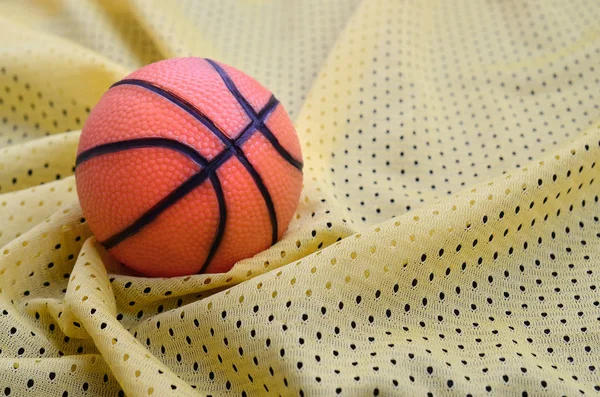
x: 447, y: 240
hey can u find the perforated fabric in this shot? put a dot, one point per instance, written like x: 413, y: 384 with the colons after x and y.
x: 446, y: 242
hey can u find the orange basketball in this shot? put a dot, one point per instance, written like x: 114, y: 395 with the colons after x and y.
x: 188, y: 165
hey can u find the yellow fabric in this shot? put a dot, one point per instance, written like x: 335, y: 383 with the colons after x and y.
x: 446, y: 242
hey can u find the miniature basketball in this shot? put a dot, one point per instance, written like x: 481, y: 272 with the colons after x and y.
x: 187, y: 166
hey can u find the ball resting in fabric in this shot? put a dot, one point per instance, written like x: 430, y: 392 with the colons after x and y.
x: 187, y: 166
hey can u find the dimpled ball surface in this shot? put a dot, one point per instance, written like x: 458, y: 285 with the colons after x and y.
x: 188, y: 165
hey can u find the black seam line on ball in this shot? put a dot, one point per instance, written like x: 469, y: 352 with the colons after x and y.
x: 187, y: 151
x: 214, y: 179
x: 180, y: 102
x: 230, y: 143
x: 197, y: 179
x: 255, y: 124
x: 282, y: 152
x: 256, y: 118
x: 114, y: 147
x: 180, y: 192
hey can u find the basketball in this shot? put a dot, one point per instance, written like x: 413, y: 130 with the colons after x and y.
x: 187, y: 166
